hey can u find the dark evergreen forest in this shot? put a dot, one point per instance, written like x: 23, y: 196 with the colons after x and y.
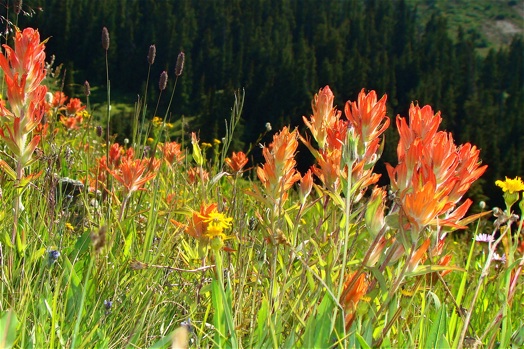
x: 282, y: 52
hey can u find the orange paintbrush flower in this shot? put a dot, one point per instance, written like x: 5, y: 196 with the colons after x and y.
x: 115, y: 152
x: 23, y: 70
x: 59, y: 99
x: 306, y: 184
x: 423, y: 124
x: 278, y: 173
x: 23, y: 66
x: 324, y: 115
x: 432, y: 173
x: 347, y: 143
x: 197, y: 224
x: 70, y: 123
x: 172, y: 152
x: 133, y: 174
x: 328, y: 169
x: 74, y: 106
x: 353, y: 292
x: 237, y: 161
x: 195, y: 174
x: 421, y: 206
x: 368, y: 118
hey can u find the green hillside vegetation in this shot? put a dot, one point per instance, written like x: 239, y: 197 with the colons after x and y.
x: 493, y: 23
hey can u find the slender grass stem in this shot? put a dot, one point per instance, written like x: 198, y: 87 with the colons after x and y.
x: 480, y: 283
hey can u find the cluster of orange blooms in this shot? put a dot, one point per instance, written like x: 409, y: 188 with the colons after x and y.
x: 430, y: 178
x: 71, y: 114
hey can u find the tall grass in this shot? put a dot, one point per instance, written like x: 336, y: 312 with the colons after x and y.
x: 158, y: 243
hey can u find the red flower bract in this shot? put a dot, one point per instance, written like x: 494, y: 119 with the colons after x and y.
x: 432, y: 173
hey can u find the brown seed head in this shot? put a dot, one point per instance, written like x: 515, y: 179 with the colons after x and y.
x: 180, y: 64
x: 105, y: 38
x: 163, y: 81
x: 151, y: 55
x: 17, y: 4
x: 87, y: 88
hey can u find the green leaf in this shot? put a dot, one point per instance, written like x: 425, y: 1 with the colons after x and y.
x: 362, y: 341
x: 318, y: 328
x: 8, y: 329
x: 427, y: 269
x: 437, y: 333
x: 261, y: 331
x: 8, y: 170
x: 219, y: 320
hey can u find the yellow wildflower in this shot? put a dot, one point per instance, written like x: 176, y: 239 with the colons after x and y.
x: 511, y: 185
x: 217, y: 222
x: 157, y: 121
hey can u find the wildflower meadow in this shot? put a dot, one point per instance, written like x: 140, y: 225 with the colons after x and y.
x: 165, y: 241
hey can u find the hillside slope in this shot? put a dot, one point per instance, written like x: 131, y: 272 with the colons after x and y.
x: 494, y: 21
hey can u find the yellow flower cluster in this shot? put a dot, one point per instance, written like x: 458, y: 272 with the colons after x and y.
x: 157, y: 122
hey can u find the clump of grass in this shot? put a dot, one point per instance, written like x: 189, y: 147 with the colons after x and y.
x: 155, y: 243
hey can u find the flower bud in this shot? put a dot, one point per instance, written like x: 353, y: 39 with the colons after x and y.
x: 306, y: 184
x: 374, y: 216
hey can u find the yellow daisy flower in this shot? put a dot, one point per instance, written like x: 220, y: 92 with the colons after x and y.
x: 217, y: 223
x: 511, y: 185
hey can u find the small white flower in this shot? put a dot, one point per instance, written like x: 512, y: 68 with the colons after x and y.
x: 484, y: 238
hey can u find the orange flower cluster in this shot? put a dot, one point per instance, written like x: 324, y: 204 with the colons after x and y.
x: 432, y: 173
x: 172, y: 153
x: 122, y: 165
x: 358, y: 136
x: 23, y: 69
x: 279, y: 174
x: 237, y: 162
x: 71, y: 114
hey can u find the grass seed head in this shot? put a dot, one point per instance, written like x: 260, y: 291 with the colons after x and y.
x: 163, y: 81
x: 180, y: 64
x: 151, y: 54
x: 105, y: 38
